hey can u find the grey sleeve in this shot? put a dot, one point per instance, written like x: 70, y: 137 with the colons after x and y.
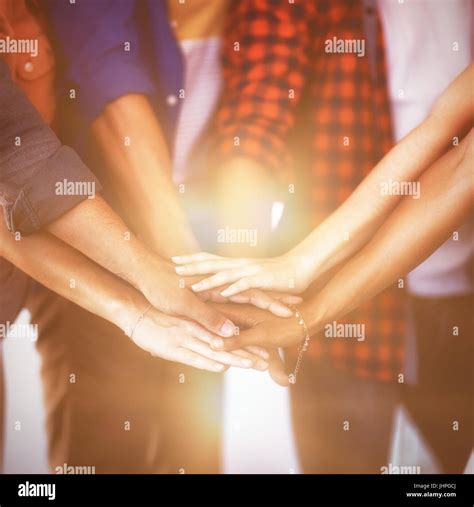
x: 34, y: 165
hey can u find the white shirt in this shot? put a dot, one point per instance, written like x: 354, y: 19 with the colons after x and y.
x: 428, y: 43
x: 202, y: 86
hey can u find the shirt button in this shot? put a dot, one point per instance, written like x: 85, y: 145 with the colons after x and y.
x: 28, y: 67
x: 171, y: 100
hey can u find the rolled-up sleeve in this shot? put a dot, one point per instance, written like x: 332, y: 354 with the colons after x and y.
x: 32, y: 164
x: 101, y: 51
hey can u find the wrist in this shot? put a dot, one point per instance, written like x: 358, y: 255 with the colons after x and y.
x: 316, y: 254
x: 125, y: 310
x: 141, y: 264
x: 314, y: 314
x: 305, y: 266
x: 179, y: 241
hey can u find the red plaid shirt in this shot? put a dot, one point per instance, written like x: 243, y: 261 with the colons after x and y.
x: 280, y: 83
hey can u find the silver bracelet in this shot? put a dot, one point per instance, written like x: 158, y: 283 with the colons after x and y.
x: 140, y: 319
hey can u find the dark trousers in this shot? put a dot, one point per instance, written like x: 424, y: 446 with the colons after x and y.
x: 111, y: 405
x: 342, y: 424
x: 441, y: 403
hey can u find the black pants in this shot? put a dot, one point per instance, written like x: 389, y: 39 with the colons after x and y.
x: 441, y: 403
x: 342, y: 424
x: 112, y: 406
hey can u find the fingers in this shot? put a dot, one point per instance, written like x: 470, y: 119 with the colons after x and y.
x: 212, y: 295
x: 288, y: 299
x: 227, y: 358
x: 225, y: 277
x: 253, y: 336
x: 273, y: 303
x: 238, y: 358
x: 196, y: 257
x: 258, y: 362
x: 208, y: 316
x: 276, y: 369
x: 191, y: 358
x: 262, y: 300
x: 243, y: 284
x: 211, y: 266
x: 258, y: 351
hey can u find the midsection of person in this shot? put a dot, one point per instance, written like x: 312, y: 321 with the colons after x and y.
x: 34, y: 72
x: 429, y: 43
x: 198, y: 27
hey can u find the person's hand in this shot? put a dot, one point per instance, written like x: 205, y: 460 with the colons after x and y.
x: 165, y: 291
x: 171, y: 294
x: 187, y: 342
x: 259, y: 328
x: 270, y: 332
x: 274, y: 302
x: 288, y: 273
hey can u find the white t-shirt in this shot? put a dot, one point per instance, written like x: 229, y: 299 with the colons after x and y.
x: 202, y: 85
x: 429, y: 43
x: 198, y: 26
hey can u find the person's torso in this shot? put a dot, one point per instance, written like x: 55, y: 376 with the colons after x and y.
x: 429, y: 43
x: 25, y: 48
x: 198, y: 26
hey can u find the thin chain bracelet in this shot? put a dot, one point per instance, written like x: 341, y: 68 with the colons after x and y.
x: 303, y: 346
x: 140, y: 319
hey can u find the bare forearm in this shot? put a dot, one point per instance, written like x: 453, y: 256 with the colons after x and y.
x: 245, y: 194
x: 93, y: 228
x: 413, y: 231
x: 356, y: 220
x: 71, y: 275
x: 135, y: 154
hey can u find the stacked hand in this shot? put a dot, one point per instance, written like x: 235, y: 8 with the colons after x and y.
x: 185, y: 341
x: 268, y: 329
x: 260, y: 327
x: 288, y: 273
x: 199, y: 330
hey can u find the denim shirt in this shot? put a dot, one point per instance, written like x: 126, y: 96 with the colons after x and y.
x: 32, y: 161
x: 115, y: 47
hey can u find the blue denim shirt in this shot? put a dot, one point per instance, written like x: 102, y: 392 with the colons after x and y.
x: 32, y: 161
x: 110, y: 48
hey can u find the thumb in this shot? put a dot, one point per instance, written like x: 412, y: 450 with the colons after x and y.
x: 208, y: 317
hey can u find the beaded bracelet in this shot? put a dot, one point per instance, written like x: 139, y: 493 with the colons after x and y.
x: 303, y: 346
